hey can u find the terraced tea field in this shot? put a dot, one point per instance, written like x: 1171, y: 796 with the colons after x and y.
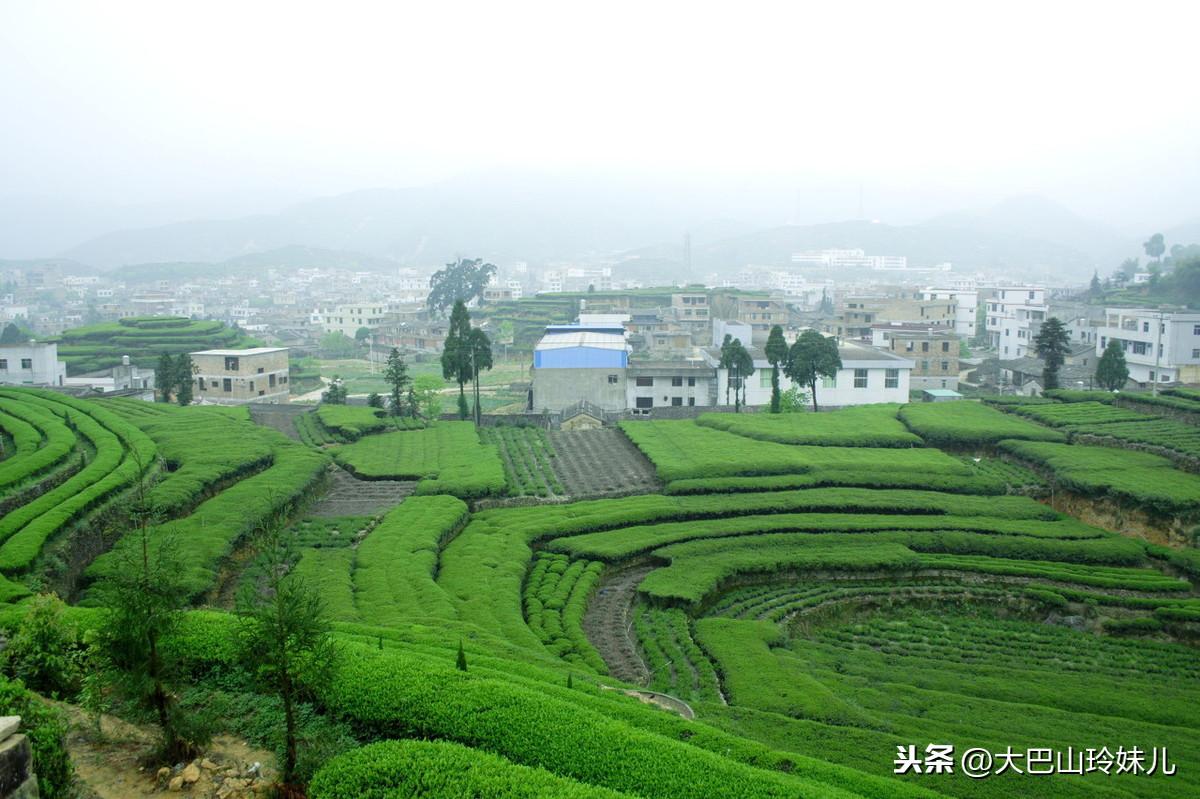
x: 809, y: 591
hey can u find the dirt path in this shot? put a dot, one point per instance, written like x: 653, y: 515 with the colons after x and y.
x: 608, y: 623
x: 596, y: 463
x: 278, y: 417
x: 349, y: 496
x: 115, y: 764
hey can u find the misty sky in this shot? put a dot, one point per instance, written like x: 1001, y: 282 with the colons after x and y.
x: 222, y: 108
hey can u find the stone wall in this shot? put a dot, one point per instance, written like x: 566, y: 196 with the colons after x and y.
x: 17, y: 780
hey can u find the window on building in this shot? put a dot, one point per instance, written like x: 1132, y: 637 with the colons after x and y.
x: 643, y: 402
x: 271, y: 381
x: 891, y: 378
x: 945, y: 366
x: 677, y: 381
x: 200, y: 383
x: 27, y: 363
x: 1196, y: 330
x: 677, y: 401
x: 1195, y: 354
x: 908, y: 346
x: 226, y: 384
x: 1145, y: 327
x: 261, y: 392
x: 924, y: 366
x: 251, y: 385
x: 764, y: 378
x: 945, y: 346
x: 231, y: 363
x: 260, y: 370
x: 860, y: 378
x: 691, y: 400
x: 924, y: 346
x: 829, y: 381
x: 692, y: 381
x: 645, y: 381
x: 4, y: 364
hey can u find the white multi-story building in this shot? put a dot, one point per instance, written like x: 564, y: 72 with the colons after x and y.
x: 31, y: 364
x: 349, y: 317
x: 966, y: 301
x: 1014, y: 315
x: 867, y: 376
x: 1160, y: 346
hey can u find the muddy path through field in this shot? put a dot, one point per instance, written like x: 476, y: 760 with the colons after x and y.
x: 347, y: 495
x: 608, y: 623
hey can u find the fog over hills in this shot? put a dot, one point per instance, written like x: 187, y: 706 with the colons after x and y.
x: 539, y: 221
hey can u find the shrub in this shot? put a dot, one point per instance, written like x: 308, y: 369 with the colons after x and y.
x: 46, y: 729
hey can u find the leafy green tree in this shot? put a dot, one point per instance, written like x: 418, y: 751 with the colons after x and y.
x: 1111, y: 370
x: 726, y: 362
x: 44, y: 652
x: 374, y: 400
x: 143, y: 600
x: 164, y: 377
x: 776, y: 352
x: 337, y: 344
x: 743, y: 367
x: 1185, y: 281
x: 286, y: 635
x: 793, y: 400
x: 461, y: 281
x: 426, y: 390
x: 337, y: 393
x: 182, y: 373
x: 456, y: 354
x: 1052, y: 343
x: 362, y: 334
x: 13, y: 335
x: 1155, y: 246
x: 810, y: 358
x: 480, y: 348
x: 395, y: 374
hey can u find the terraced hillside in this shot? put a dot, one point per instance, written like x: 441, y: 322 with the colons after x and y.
x: 143, y: 339
x: 810, y: 592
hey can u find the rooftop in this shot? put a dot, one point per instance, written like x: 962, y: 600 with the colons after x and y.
x: 251, y: 351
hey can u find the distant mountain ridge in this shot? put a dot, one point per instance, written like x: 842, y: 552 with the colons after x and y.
x: 540, y: 222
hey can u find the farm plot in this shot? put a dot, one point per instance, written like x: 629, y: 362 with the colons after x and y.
x: 529, y: 459
x: 1138, y: 478
x: 865, y: 426
x: 447, y: 458
x: 696, y: 459
x: 1080, y: 414
x: 965, y: 425
x: 556, y: 595
x: 595, y: 463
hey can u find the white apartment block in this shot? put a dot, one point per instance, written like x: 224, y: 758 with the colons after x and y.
x: 966, y: 301
x: 1160, y: 346
x: 349, y: 317
x: 31, y: 364
x: 1014, y: 315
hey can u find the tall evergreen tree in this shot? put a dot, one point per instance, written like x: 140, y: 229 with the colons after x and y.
x: 395, y: 374
x: 810, y: 358
x: 726, y: 362
x: 1111, y: 371
x: 1052, y: 343
x: 776, y: 352
x: 456, y: 354
x: 182, y: 374
x: 479, y: 348
x: 164, y: 377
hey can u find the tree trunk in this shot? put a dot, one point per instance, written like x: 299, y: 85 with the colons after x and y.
x: 813, y: 386
x: 774, y: 389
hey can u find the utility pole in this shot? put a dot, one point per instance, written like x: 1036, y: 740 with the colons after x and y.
x: 1157, y: 354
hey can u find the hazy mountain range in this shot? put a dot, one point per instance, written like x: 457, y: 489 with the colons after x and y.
x: 540, y: 222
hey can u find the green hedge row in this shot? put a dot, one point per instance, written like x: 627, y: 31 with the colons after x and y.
x: 28, y: 425
x: 397, y: 562
x: 970, y: 425
x: 865, y: 426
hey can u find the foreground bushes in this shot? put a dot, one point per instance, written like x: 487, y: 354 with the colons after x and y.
x: 425, y: 768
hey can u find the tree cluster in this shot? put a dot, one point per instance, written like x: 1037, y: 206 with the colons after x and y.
x: 173, y: 378
x: 467, y: 352
x: 461, y: 281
